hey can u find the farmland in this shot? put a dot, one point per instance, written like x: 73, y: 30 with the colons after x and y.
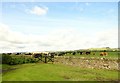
x: 111, y: 55
x: 57, y: 72
x: 60, y: 71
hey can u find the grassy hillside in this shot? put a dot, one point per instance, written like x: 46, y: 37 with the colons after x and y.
x: 105, y: 48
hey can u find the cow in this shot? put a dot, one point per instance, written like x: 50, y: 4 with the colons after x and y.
x: 17, y: 53
x: 9, y: 53
x: 51, y: 54
x: 87, y: 53
x: 28, y: 53
x: 103, y: 54
x: 81, y: 53
x: 73, y: 53
x: 61, y: 53
x: 37, y: 55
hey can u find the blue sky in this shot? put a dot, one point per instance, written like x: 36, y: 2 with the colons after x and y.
x: 46, y: 18
x: 64, y: 14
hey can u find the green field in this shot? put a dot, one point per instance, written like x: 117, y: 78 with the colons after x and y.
x: 111, y: 55
x: 59, y: 72
x: 56, y: 72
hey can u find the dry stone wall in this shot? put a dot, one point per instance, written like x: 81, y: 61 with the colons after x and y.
x: 99, y: 63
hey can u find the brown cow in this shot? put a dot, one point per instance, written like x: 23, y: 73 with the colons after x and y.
x: 103, y: 54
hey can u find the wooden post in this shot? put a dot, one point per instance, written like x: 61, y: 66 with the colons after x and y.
x: 45, y: 58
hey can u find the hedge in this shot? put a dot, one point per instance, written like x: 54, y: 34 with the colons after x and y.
x: 13, y: 60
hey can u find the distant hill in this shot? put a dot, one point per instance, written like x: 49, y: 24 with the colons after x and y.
x: 105, y: 48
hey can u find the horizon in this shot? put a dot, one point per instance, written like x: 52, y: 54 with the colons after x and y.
x: 58, y: 26
x: 90, y: 49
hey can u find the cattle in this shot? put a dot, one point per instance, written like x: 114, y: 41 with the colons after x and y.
x: 37, y: 55
x: 45, y: 54
x: 103, y: 54
x: 61, y: 53
x: 81, y: 53
x: 17, y: 53
x: 73, y: 53
x: 28, y: 53
x: 51, y: 55
x: 87, y: 53
x: 9, y: 53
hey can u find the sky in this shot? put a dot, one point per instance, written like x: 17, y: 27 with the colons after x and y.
x: 57, y: 26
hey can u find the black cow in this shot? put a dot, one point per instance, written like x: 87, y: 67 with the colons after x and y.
x: 52, y: 55
x: 87, y: 53
x: 28, y: 53
x: 61, y: 54
x: 73, y: 53
x: 81, y: 53
x: 17, y: 53
x: 9, y: 53
x: 37, y: 55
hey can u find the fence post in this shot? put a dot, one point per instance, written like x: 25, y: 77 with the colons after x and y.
x: 45, y: 58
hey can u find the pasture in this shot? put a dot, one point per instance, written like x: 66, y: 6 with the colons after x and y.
x: 56, y: 72
x: 59, y: 71
x: 111, y: 55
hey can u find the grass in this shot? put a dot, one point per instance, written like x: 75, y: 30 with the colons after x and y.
x: 57, y: 72
x: 0, y: 72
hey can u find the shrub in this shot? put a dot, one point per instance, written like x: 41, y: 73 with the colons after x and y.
x: 31, y: 60
x: 14, y: 60
x: 6, y: 59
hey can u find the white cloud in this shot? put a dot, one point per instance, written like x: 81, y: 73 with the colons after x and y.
x: 59, y: 39
x: 7, y: 35
x: 38, y: 10
x: 108, y: 38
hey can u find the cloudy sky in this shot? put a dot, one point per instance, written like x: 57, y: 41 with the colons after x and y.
x: 51, y: 26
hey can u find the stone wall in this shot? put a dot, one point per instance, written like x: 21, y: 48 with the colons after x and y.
x: 99, y: 63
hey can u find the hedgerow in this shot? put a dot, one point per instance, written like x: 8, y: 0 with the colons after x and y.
x: 14, y: 60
